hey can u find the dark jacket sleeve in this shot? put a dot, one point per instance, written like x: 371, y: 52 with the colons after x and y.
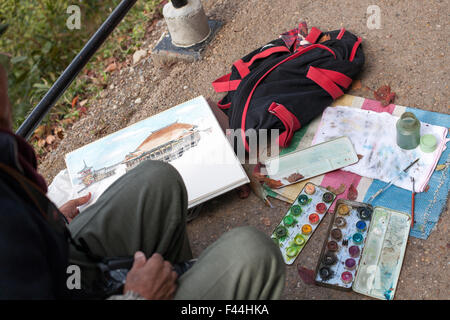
x: 24, y: 266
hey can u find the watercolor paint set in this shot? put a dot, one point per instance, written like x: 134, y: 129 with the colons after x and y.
x: 364, y: 249
x: 341, y: 252
x: 301, y: 220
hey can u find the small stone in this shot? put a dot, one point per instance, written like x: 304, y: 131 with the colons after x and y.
x: 138, y: 101
x: 185, y: 87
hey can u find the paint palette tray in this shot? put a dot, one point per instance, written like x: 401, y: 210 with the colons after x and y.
x: 344, y: 244
x: 366, y: 255
x: 383, y: 254
x: 301, y: 220
x: 311, y: 162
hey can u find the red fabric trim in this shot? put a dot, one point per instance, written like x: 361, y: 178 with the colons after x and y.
x: 355, y: 47
x: 325, y: 82
x: 223, y: 84
x: 341, y: 34
x: 313, y: 35
x: 337, y: 77
x: 223, y: 106
x: 244, y: 67
x: 289, y: 121
x: 247, y: 103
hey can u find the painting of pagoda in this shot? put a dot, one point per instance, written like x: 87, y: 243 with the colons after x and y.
x: 166, y: 144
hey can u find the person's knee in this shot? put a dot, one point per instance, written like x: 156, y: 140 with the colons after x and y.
x: 158, y: 172
x: 255, y: 246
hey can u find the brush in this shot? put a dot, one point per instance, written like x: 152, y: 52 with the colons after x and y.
x: 392, y: 181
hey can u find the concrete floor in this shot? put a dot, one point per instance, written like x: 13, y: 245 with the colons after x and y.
x: 409, y: 52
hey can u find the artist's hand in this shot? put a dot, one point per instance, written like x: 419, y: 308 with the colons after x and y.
x: 70, y: 208
x: 153, y: 279
x: 5, y: 109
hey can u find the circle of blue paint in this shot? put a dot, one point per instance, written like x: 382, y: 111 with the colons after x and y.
x: 357, y: 238
x: 361, y: 226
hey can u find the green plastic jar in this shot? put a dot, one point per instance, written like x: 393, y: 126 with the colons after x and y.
x: 408, y: 131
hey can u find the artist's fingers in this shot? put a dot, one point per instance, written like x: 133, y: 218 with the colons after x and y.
x: 82, y: 200
x: 139, y: 260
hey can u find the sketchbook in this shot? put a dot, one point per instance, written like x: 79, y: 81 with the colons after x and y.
x: 187, y: 136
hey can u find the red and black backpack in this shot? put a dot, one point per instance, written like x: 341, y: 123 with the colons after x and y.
x: 281, y: 87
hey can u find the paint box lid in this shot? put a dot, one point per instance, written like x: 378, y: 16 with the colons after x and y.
x: 428, y: 143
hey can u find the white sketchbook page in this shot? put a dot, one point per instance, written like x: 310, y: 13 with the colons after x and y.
x: 207, y: 168
x: 373, y: 135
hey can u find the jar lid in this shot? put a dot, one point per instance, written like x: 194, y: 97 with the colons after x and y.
x: 428, y: 143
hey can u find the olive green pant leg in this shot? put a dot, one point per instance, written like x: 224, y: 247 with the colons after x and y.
x: 144, y: 210
x: 243, y: 264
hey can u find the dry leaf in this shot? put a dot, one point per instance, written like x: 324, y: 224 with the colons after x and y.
x: 427, y: 188
x: 260, y: 177
x: 360, y: 156
x: 111, y: 67
x: 352, y: 193
x: 59, y: 131
x: 82, y: 103
x: 243, y: 191
x: 41, y: 143
x: 307, y: 275
x: 294, y: 177
x: 324, y: 38
x: 50, y: 139
x: 271, y: 183
x: 74, y: 101
x: 266, y: 222
x: 67, y: 121
x: 339, y: 190
x: 356, y: 85
x: 441, y: 167
x: 40, y: 131
x: 384, y: 95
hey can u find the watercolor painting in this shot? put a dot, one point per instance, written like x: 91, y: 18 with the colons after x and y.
x: 187, y: 136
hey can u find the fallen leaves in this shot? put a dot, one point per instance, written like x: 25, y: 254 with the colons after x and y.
x: 243, y: 191
x: 266, y: 222
x: 307, y: 275
x: 111, y: 67
x: 339, y: 190
x: 271, y: 183
x: 356, y: 85
x: 384, y: 95
x: 441, y: 167
x: 294, y: 177
x: 50, y: 139
x: 324, y: 38
x: 46, y: 137
x: 352, y: 193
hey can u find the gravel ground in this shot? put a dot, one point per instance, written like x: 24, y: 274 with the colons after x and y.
x: 408, y: 53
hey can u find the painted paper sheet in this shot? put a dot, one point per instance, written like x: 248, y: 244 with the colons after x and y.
x: 373, y: 135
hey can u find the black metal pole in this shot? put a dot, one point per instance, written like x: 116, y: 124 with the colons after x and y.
x: 63, y: 82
